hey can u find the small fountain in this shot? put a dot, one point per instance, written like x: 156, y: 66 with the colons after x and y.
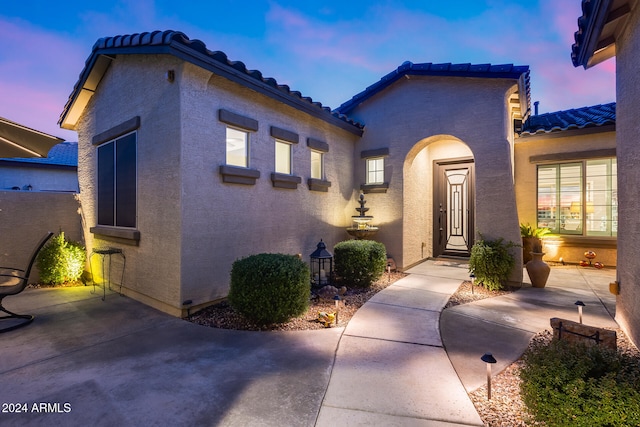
x: 362, y: 229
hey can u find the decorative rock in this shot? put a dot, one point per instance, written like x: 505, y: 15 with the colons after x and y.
x: 573, y: 332
x: 328, y: 292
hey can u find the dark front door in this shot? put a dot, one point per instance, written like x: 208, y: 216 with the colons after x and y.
x: 453, y: 207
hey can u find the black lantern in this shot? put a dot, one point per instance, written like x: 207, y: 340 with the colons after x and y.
x: 321, y: 263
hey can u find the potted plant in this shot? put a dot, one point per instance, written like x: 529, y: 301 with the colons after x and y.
x: 531, y: 237
x: 537, y: 269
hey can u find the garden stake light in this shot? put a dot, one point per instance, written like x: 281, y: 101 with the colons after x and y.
x: 337, y: 300
x: 388, y: 272
x: 489, y: 360
x: 580, y: 304
x: 473, y: 279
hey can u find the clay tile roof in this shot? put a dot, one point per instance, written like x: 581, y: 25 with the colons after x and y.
x: 63, y: 154
x: 195, y: 51
x: 578, y: 118
x: 508, y: 71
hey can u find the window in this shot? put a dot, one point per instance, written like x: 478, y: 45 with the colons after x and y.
x: 317, y: 164
x: 237, y: 147
x: 375, y: 171
x: 283, y: 157
x: 579, y: 198
x: 117, y: 182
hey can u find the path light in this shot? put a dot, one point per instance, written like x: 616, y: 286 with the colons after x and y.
x: 389, y: 272
x: 580, y: 304
x: 337, y: 300
x: 473, y: 279
x: 489, y: 360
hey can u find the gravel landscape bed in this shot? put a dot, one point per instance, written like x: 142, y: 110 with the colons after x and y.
x: 222, y: 315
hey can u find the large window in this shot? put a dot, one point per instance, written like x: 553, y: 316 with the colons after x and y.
x: 317, y: 164
x: 283, y: 157
x: 579, y: 198
x: 117, y: 182
x: 375, y: 171
x: 237, y: 147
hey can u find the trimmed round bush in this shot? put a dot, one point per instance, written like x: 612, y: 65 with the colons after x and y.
x: 359, y: 263
x: 270, y: 288
x: 60, y: 260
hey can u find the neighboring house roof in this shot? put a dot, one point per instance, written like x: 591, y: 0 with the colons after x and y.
x: 17, y: 140
x: 63, y: 155
x: 598, y: 27
x: 195, y: 51
x: 578, y: 118
x: 505, y: 71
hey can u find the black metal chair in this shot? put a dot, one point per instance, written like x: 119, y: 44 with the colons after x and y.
x: 13, y: 281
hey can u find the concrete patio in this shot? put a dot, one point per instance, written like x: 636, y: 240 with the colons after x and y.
x: 401, y: 360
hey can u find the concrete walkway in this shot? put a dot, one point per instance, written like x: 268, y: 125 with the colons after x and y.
x: 400, y: 361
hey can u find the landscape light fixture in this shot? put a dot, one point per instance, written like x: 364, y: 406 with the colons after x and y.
x: 580, y: 304
x: 321, y: 266
x: 473, y: 279
x: 389, y: 272
x: 489, y: 360
x: 337, y: 300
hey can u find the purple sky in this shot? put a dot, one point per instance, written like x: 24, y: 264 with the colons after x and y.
x: 326, y: 49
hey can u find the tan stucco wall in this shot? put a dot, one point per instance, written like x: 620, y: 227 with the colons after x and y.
x: 628, y: 152
x: 192, y: 225
x: 223, y: 222
x: 25, y: 216
x: 473, y: 112
x: 137, y: 86
x: 570, y: 248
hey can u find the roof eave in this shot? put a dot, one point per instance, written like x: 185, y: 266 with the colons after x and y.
x: 101, y: 57
x: 519, y: 73
x: 600, y: 24
x: 183, y: 52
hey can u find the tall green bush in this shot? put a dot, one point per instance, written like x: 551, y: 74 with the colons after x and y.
x: 61, y: 260
x: 359, y: 262
x: 564, y: 384
x: 491, y: 262
x: 270, y: 288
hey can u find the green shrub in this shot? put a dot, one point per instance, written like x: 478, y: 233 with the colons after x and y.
x: 360, y: 262
x: 564, y: 384
x: 491, y: 262
x: 270, y: 288
x: 61, y: 260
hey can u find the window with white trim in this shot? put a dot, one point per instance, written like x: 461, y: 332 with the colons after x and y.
x: 283, y: 157
x: 579, y: 198
x: 117, y: 181
x: 375, y: 170
x: 317, y: 164
x: 237, y: 147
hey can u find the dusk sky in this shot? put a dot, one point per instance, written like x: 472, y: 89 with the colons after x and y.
x: 328, y: 50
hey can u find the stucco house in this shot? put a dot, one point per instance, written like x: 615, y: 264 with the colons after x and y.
x: 56, y: 172
x: 610, y: 28
x: 189, y: 161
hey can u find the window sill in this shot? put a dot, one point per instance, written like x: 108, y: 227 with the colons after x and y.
x: 238, y: 175
x: 374, y: 188
x: 318, y: 185
x: 280, y: 180
x: 581, y: 241
x: 129, y: 236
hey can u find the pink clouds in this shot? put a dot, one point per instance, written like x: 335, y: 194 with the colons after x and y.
x: 37, y: 72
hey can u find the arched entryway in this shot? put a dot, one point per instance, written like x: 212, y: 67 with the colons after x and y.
x: 438, y: 199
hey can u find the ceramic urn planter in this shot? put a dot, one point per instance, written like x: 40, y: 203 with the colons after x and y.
x: 538, y: 270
